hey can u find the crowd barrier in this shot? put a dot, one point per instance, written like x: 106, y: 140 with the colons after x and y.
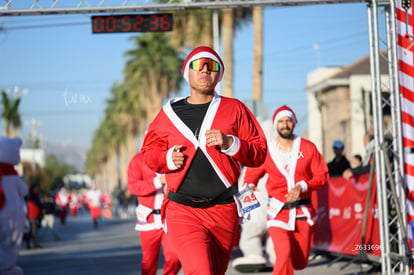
x: 341, y: 210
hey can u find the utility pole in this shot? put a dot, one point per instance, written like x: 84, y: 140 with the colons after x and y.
x: 35, y: 138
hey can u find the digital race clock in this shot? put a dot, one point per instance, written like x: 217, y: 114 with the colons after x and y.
x: 157, y: 22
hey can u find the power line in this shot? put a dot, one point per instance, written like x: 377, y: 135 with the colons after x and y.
x: 56, y: 112
x: 54, y: 25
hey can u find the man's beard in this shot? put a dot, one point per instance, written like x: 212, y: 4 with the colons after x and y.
x: 285, y: 135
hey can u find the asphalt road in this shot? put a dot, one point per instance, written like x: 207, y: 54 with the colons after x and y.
x: 114, y: 248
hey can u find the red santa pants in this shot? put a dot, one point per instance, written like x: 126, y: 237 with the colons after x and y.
x: 291, y: 247
x: 203, y: 238
x: 150, y: 244
x: 73, y: 211
x: 62, y: 214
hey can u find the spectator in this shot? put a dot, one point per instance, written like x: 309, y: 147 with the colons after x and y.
x: 123, y: 203
x: 34, y: 214
x: 48, y: 220
x: 366, y: 162
x: 339, y: 163
x: 356, y: 161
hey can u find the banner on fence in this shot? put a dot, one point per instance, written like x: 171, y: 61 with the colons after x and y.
x: 341, y: 211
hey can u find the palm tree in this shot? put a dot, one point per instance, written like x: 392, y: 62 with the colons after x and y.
x: 232, y: 20
x: 191, y: 27
x: 129, y: 115
x: 153, y: 70
x: 258, y: 53
x: 10, y: 114
x: 106, y: 148
x: 227, y: 30
x: 156, y: 66
x: 121, y: 118
x: 97, y: 156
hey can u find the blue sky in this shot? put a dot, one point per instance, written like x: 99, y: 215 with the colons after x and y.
x: 69, y: 71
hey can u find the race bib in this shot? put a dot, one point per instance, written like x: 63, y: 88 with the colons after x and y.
x: 142, y: 213
x: 248, y: 199
x: 274, y: 208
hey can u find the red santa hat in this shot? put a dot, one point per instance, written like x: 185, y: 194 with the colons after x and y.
x: 201, y: 52
x: 282, y: 112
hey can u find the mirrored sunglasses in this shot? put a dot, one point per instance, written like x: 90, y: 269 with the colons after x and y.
x: 198, y: 64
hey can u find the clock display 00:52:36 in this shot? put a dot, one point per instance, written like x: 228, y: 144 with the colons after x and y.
x: 156, y: 22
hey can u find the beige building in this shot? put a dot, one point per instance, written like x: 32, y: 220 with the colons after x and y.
x: 339, y: 104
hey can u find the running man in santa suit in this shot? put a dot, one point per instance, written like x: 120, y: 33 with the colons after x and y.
x: 199, y: 143
x: 73, y: 203
x: 148, y: 187
x: 295, y: 168
x: 94, y: 196
x: 62, y: 201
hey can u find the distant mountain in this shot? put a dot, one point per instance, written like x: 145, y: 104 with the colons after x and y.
x: 68, y: 153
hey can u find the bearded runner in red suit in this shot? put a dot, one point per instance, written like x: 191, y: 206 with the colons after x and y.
x: 199, y: 143
x: 148, y: 187
x: 295, y: 168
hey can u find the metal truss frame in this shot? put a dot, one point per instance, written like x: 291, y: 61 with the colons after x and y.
x: 389, y: 165
x: 48, y: 7
x: 395, y: 254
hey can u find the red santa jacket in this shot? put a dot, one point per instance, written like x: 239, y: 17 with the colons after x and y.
x: 62, y: 199
x: 227, y: 114
x: 146, y: 185
x: 307, y: 169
